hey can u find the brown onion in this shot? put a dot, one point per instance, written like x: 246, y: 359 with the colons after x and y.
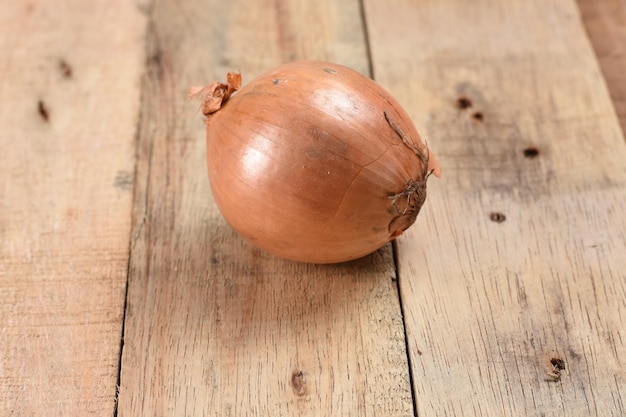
x: 313, y: 161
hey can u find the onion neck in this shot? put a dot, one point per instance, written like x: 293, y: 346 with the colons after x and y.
x: 216, y: 94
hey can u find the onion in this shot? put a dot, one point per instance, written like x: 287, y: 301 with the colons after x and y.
x: 313, y: 161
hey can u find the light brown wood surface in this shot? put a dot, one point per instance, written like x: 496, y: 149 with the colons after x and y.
x: 491, y: 305
x: 605, y: 23
x: 213, y: 326
x: 69, y: 102
x: 105, y: 181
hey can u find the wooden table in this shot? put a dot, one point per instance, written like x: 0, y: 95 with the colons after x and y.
x: 123, y: 291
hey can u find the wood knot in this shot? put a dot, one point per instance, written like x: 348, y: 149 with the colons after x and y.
x: 558, y: 366
x: 298, y: 383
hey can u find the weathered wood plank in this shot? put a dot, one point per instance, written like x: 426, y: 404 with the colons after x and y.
x: 517, y: 262
x: 213, y: 326
x: 69, y: 94
x: 605, y: 22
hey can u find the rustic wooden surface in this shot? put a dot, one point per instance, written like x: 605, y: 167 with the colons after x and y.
x: 107, y: 226
x: 605, y: 22
x: 69, y: 104
x: 518, y: 262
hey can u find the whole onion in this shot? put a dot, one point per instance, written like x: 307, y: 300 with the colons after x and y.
x: 313, y: 161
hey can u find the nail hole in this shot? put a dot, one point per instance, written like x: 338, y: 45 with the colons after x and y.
x: 557, y: 364
x: 497, y: 217
x: 275, y: 81
x: 66, y: 69
x: 478, y: 116
x: 531, y: 152
x: 330, y: 70
x: 463, y: 103
x: 43, y: 111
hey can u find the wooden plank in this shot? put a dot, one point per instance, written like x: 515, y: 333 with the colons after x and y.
x: 516, y: 267
x: 213, y: 326
x: 605, y: 22
x: 67, y: 127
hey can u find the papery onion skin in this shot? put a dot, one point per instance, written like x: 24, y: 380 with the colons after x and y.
x: 308, y: 162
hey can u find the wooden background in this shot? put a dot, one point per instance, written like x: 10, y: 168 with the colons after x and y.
x: 123, y: 292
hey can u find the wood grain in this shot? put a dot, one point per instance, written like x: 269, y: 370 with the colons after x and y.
x: 67, y: 126
x: 213, y: 326
x: 517, y: 262
x: 605, y: 22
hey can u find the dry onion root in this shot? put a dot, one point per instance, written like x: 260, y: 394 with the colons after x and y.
x: 314, y: 162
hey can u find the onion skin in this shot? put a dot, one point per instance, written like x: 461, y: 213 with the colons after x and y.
x: 314, y: 162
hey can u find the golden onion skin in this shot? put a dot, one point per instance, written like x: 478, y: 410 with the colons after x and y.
x: 308, y: 162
